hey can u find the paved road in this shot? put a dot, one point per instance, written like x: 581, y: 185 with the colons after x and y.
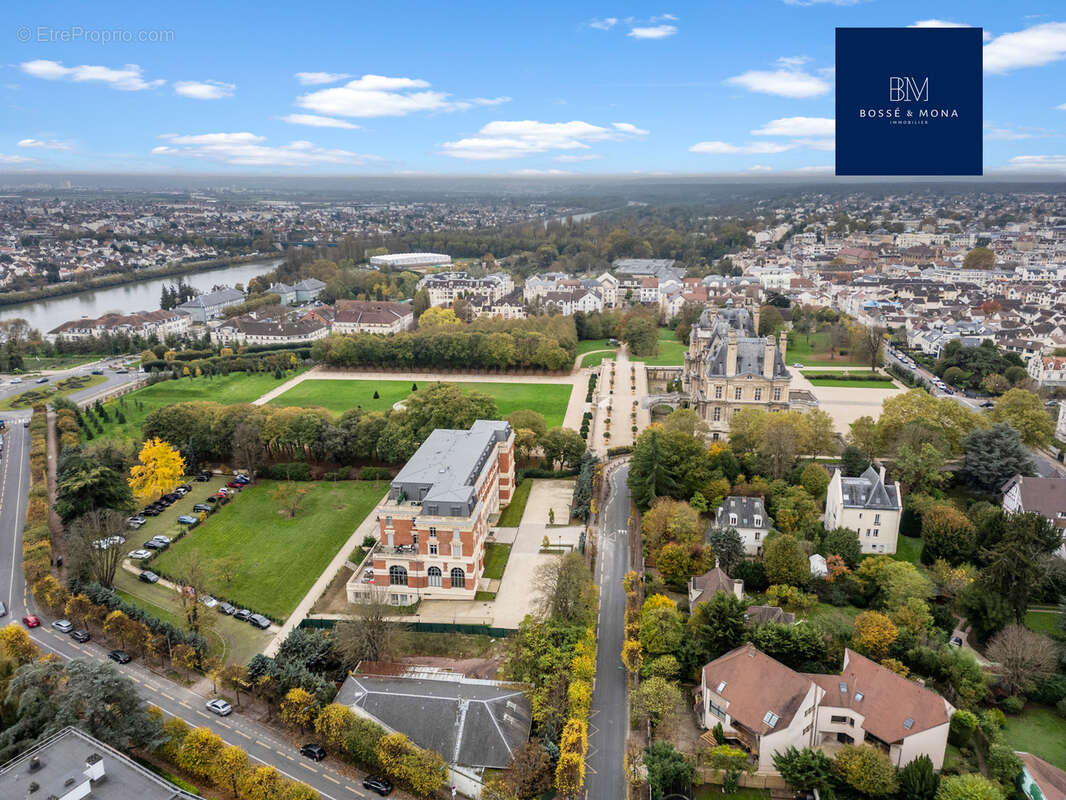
x: 111, y: 380
x: 331, y: 779
x: 609, y: 716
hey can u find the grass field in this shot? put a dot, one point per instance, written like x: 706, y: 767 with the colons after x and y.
x: 815, y: 352
x: 714, y: 792
x: 496, y: 555
x: 43, y: 391
x: 1045, y: 622
x: 237, y: 387
x: 671, y: 351
x: 511, y: 516
x: 850, y: 379
x: 595, y: 359
x: 589, y: 345
x: 550, y: 399
x: 846, y: 384
x: 909, y: 548
x: 280, y: 558
x: 66, y: 361
x: 1038, y: 730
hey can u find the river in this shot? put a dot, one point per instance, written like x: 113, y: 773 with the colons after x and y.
x: 129, y: 297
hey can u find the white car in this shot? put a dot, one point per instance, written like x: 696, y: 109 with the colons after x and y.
x: 141, y: 553
x: 63, y: 625
x: 798, y: 365
x: 220, y: 707
x: 15, y: 380
x: 209, y: 601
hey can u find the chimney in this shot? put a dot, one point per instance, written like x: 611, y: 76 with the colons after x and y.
x: 782, y: 344
x: 731, y: 354
x: 755, y: 318
x: 882, y: 473
x: 94, y: 767
x: 768, y: 358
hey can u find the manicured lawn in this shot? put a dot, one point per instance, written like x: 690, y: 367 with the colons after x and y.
x: 588, y: 345
x: 851, y: 379
x: 595, y: 359
x: 280, y: 557
x: 550, y: 399
x: 1040, y: 731
x: 44, y: 391
x: 713, y: 792
x: 66, y: 361
x: 237, y: 387
x: 511, y: 516
x: 815, y: 352
x: 671, y: 351
x: 825, y: 610
x: 909, y: 548
x: 496, y: 555
x: 1046, y: 622
x: 846, y: 384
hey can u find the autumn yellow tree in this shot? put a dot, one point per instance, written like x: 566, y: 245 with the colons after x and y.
x: 333, y: 724
x: 117, y: 626
x: 299, y: 708
x: 260, y: 783
x: 230, y: 767
x: 199, y: 752
x: 437, y: 316
x: 874, y: 633
x: 79, y: 608
x: 16, y: 644
x: 160, y: 470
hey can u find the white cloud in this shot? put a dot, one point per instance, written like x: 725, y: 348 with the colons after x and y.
x: 248, y: 150
x: 1008, y: 133
x: 1032, y: 47
x: 315, y: 121
x: 760, y: 168
x: 128, y: 78
x: 540, y: 172
x: 938, y: 23
x: 652, y: 32
x: 204, y: 90
x: 1047, y: 162
x: 781, y: 82
x: 518, y: 138
x: 6, y: 159
x: 40, y: 144
x: 755, y: 148
x: 1061, y: 108
x: 317, y: 78
x: 381, y: 96
x: 576, y: 157
x: 797, y: 126
x: 819, y: 168
x: 604, y: 24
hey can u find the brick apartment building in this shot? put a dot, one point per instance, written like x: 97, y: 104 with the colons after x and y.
x: 433, y: 524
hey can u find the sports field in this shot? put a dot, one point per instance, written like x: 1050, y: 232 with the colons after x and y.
x: 278, y: 557
x: 550, y: 399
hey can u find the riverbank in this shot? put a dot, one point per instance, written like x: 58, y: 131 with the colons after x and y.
x: 122, y: 278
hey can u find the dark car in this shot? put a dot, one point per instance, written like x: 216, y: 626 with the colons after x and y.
x: 313, y: 751
x: 98, y: 372
x: 376, y: 784
x: 155, y: 544
x: 955, y: 641
x: 212, y: 499
x: 42, y: 380
x: 201, y: 479
x: 120, y: 656
x: 243, y: 614
x: 80, y: 636
x: 149, y: 577
x: 122, y: 372
x: 226, y: 608
x: 202, y: 507
x: 259, y: 621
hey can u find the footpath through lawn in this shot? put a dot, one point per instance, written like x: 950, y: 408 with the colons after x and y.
x: 277, y: 557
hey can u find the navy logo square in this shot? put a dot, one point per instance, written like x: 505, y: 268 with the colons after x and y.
x: 908, y: 101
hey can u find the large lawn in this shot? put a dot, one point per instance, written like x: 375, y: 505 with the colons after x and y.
x: 588, y: 345
x: 237, y: 387
x: 851, y: 379
x: 279, y: 557
x: 671, y: 351
x: 813, y: 351
x: 48, y: 391
x: 550, y: 399
x: 1040, y: 731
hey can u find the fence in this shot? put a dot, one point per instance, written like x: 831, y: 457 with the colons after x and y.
x: 428, y: 627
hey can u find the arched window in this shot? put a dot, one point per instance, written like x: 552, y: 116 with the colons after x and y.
x: 458, y: 579
x: 434, y: 576
x: 397, y: 576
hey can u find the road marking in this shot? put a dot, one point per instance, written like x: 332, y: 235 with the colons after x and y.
x: 329, y: 778
x: 205, y: 716
x: 167, y: 696
x: 225, y: 724
x: 308, y: 766
x: 242, y: 733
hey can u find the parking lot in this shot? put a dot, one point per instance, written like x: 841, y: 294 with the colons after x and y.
x: 166, y: 524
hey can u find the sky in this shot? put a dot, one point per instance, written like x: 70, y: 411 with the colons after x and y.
x: 551, y: 88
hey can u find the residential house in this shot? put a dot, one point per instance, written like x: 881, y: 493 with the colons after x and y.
x: 209, y: 306
x: 249, y: 329
x: 1047, y: 371
x: 285, y: 293
x: 767, y: 708
x: 433, y: 524
x: 702, y: 588
x: 1045, y: 496
x: 372, y: 316
x: 748, y: 516
x: 160, y: 324
x: 308, y: 290
x: 1040, y: 780
x: 868, y: 505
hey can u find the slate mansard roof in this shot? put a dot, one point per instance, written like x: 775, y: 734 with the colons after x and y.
x: 751, y: 349
x: 869, y: 490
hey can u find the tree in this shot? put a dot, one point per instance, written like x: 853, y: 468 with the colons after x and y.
x: 1024, y: 658
x: 727, y: 545
x: 334, y: 724
x: 843, y: 542
x: 640, y: 331
x: 1025, y: 412
x: 868, y: 342
x: 422, y: 770
x: 438, y: 317
x: 160, y: 469
x: 1015, y: 555
x: 686, y: 421
x: 815, y: 479
x: 651, y: 468
x: 530, y: 770
x: 993, y: 455
x: 564, y: 446
x: 970, y: 786
x: 247, y: 446
x: 420, y: 303
x: 804, y: 769
x: 979, y: 258
x: 918, y: 780
x: 920, y: 468
x: 565, y: 590
x: 985, y: 609
x: 16, y: 644
x: 770, y: 321
x: 874, y: 634
x: 498, y: 789
x: 361, y: 744
x: 229, y: 767
x: 525, y: 419
x: 84, y: 484
x: 786, y: 561
x: 717, y: 626
x: 668, y: 770
x: 655, y: 699
x: 260, y: 783
x: 864, y: 443
x: 795, y: 511
x: 235, y: 678
x: 90, y: 543
x: 948, y: 535
x: 661, y: 625
x: 670, y: 521
x: 289, y: 497
x: 866, y: 770
x: 199, y: 751
x: 299, y: 708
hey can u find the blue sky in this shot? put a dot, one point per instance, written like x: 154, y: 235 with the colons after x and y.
x: 485, y: 88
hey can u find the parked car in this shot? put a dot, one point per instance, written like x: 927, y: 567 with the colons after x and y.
x: 212, y: 499
x: 955, y: 641
x: 149, y: 577
x: 97, y: 372
x: 31, y: 621
x: 220, y: 707
x: 155, y: 544
x: 235, y: 485
x: 151, y: 512
x: 186, y: 519
x: 259, y: 621
x: 120, y: 656
x: 315, y: 752
x: 140, y: 553
x: 376, y: 784
x: 202, y: 507
x: 161, y: 538
x: 242, y: 614
x: 63, y: 625
x: 15, y: 381
x: 201, y: 479
x: 226, y: 608
x: 42, y: 380
x: 136, y: 522
x: 80, y: 636
x: 209, y: 601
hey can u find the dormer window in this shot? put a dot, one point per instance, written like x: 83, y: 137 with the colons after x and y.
x: 732, y: 519
x: 758, y: 521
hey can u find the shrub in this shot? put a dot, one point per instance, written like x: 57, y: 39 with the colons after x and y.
x: 962, y: 727
x: 293, y: 471
x: 1013, y: 704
